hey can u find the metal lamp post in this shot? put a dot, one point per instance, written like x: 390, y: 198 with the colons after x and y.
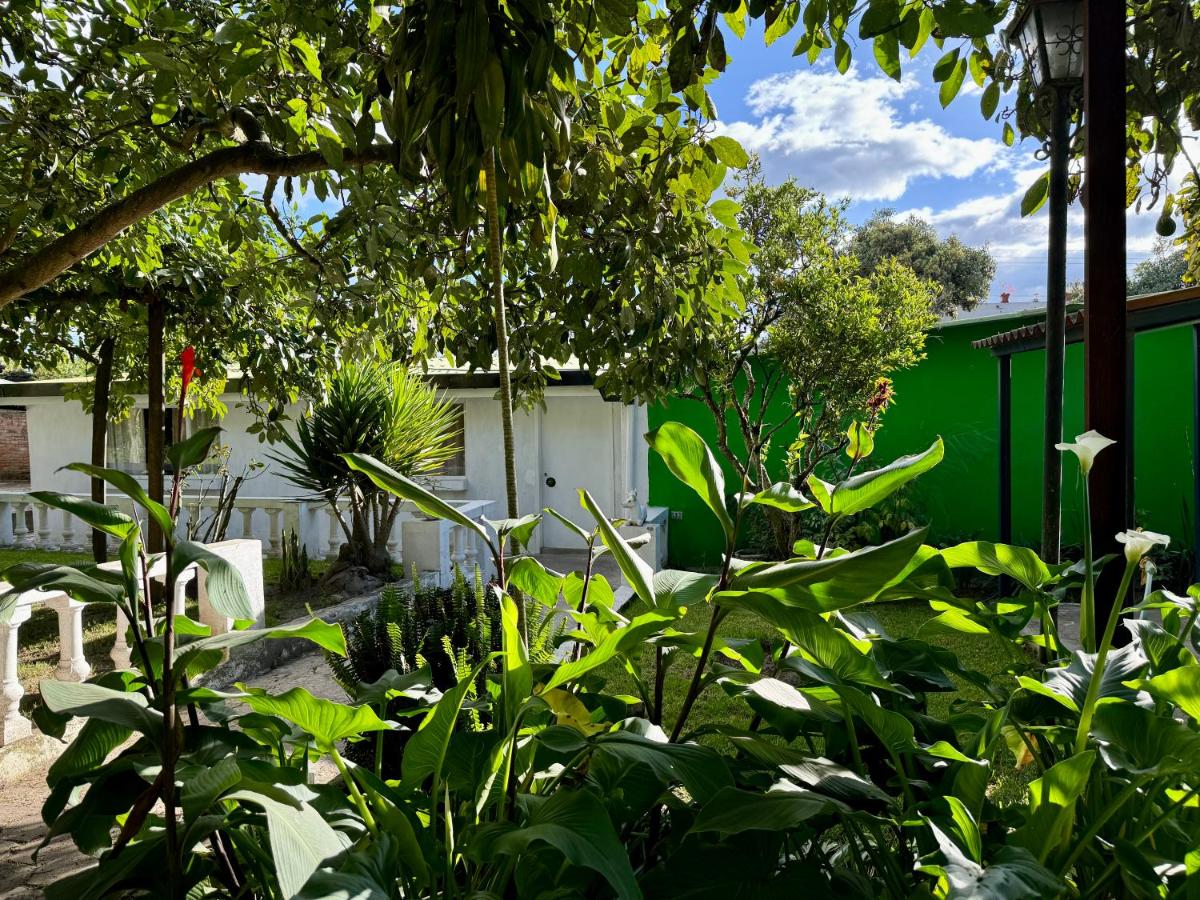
x: 1048, y: 34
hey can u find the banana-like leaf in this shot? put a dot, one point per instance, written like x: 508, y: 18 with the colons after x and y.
x: 781, y: 495
x: 675, y: 588
x: 429, y: 503
x: 301, y: 840
x: 26, y: 577
x: 864, y: 490
x: 832, y: 582
x: 326, y: 721
x: 1138, y: 741
x: 108, y: 519
x: 785, y: 708
x: 733, y: 810
x: 1013, y: 873
x: 192, y: 450
x: 827, y: 777
x: 619, y: 640
x: 1071, y: 681
x: 224, y: 585
x: 129, y: 486
x: 690, y: 460
x: 698, y: 768
x: 517, y: 675
x: 91, y: 746
x: 637, y: 572
x: 201, y: 654
x: 1051, y: 801
x: 520, y: 530
x: 1180, y: 686
x: 569, y: 525
x: 1018, y: 563
x: 575, y: 823
x: 530, y: 577
x: 201, y: 790
x: 92, y: 701
x: 893, y: 730
x: 425, y: 753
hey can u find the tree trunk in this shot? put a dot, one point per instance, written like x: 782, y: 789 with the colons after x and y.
x: 156, y: 315
x: 496, y: 264
x: 101, y: 394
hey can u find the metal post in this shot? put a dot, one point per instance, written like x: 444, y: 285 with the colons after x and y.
x: 1106, y: 391
x: 1195, y: 452
x: 1056, y: 324
x: 1006, y: 527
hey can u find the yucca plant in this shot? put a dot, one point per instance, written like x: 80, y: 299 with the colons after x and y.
x: 381, y: 410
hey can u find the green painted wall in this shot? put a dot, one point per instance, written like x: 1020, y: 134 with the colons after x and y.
x: 954, y: 392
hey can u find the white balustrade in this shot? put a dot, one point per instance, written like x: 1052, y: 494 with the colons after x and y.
x: 245, y: 555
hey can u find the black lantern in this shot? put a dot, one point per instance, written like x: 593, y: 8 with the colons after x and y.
x: 1049, y: 35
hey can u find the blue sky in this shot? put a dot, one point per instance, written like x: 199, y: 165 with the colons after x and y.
x: 882, y: 144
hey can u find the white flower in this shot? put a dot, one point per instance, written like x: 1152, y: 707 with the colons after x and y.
x: 1086, y: 446
x: 1138, y: 543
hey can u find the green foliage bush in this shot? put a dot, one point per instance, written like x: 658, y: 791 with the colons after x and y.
x: 528, y: 777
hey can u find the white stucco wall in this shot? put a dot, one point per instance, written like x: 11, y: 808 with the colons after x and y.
x: 585, y: 439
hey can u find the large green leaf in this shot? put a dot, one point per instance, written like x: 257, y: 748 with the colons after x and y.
x: 827, y: 777
x: 91, y: 701
x: 129, y: 486
x: 620, y: 640
x: 784, y: 707
x: 224, y: 585
x: 569, y: 525
x: 832, y: 582
x: 108, y: 519
x: 734, y: 810
x: 425, y: 753
x: 85, y: 588
x: 638, y: 574
x: 1179, y: 686
x: 690, y: 460
x: 866, y: 489
x: 301, y: 840
x: 88, y: 751
x: 429, y: 503
x: 517, y: 676
x: 201, y: 789
x: 677, y: 588
x: 1013, y: 874
x: 1136, y: 740
x: 205, y: 652
x: 576, y: 824
x: 781, y: 495
x: 193, y: 449
x: 520, y: 530
x: 699, y: 769
x: 326, y: 721
x: 531, y: 578
x: 1019, y: 563
x: 1071, y: 681
x: 1051, y: 803
x: 893, y: 730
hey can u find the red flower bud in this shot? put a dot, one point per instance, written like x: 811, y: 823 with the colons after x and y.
x: 188, y: 358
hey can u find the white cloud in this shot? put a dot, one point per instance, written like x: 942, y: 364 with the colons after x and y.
x: 852, y: 135
x: 1019, y: 243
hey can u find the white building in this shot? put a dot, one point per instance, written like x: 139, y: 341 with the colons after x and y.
x: 578, y: 439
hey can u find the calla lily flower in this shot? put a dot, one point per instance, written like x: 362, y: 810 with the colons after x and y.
x: 188, y: 360
x: 1138, y: 543
x: 1086, y: 446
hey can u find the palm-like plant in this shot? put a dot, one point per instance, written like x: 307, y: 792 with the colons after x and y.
x: 377, y: 409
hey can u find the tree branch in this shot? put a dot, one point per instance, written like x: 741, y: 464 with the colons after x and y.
x: 47, y: 263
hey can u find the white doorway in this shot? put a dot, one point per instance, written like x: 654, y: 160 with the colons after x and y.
x: 578, y: 438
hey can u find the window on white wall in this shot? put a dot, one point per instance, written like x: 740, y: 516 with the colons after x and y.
x: 456, y: 465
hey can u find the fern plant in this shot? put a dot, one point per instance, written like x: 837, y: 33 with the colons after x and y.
x: 448, y: 630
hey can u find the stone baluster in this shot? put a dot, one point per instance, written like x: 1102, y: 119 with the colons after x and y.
x: 458, y: 549
x: 22, y: 536
x: 72, y: 664
x: 13, y: 725
x: 6, y: 523
x: 247, y: 522
x: 120, y: 654
x: 68, y: 530
x: 274, y: 536
x: 471, y: 555
x: 43, y: 526
x: 335, y: 532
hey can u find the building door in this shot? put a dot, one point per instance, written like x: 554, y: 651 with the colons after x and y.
x: 578, y: 435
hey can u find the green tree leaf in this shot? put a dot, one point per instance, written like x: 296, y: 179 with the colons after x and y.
x: 866, y: 489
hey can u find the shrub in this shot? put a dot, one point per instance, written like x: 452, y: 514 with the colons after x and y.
x: 294, y: 573
x: 380, y: 410
x: 837, y: 777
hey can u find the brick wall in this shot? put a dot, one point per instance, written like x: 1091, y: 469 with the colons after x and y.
x: 14, y: 445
